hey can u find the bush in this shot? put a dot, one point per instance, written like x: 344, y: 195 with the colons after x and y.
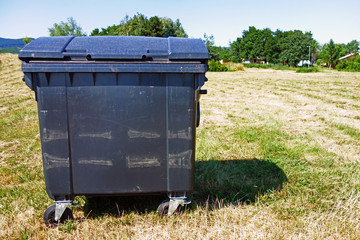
x: 282, y: 67
x: 306, y: 70
x: 319, y: 62
x: 351, y: 65
x: 236, y: 67
x: 268, y: 66
x: 216, y: 66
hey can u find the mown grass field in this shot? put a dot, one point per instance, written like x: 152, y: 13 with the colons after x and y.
x: 278, y: 156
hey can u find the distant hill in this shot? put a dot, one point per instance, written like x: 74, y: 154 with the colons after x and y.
x: 8, y: 45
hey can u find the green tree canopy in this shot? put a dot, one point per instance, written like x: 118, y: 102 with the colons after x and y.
x: 156, y: 27
x: 273, y: 47
x: 216, y: 53
x: 331, y: 53
x: 352, y: 47
x: 296, y: 47
x: 140, y: 25
x: 173, y: 29
x: 69, y: 28
x: 27, y: 40
x: 250, y: 45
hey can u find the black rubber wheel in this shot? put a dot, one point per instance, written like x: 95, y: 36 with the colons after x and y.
x: 163, y: 208
x: 49, y: 216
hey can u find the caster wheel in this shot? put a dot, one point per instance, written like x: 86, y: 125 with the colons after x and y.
x: 163, y: 208
x: 49, y: 216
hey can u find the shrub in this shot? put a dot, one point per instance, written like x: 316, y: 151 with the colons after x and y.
x: 236, y: 67
x: 319, y: 62
x: 351, y: 65
x: 269, y: 66
x: 216, y: 66
x: 306, y: 70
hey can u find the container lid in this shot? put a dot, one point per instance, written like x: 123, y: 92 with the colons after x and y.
x: 115, y: 47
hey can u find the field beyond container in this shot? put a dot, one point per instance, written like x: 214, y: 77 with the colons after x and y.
x: 277, y: 157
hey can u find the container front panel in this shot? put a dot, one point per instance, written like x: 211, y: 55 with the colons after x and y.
x: 117, y: 133
x: 136, y: 137
x: 118, y: 139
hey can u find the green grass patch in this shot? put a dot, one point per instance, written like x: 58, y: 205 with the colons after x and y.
x: 288, y: 165
x: 269, y: 66
x: 350, y: 131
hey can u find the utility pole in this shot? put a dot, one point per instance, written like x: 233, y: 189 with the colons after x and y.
x: 309, y: 58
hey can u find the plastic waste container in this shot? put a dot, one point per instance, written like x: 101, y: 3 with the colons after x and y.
x: 117, y: 115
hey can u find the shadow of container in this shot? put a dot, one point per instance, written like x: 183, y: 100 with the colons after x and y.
x: 236, y: 180
x: 227, y: 180
x: 121, y: 205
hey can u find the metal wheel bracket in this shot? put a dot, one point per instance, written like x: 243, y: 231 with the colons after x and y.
x: 175, y: 202
x: 60, y: 209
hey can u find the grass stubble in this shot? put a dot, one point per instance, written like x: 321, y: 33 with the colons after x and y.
x: 277, y: 158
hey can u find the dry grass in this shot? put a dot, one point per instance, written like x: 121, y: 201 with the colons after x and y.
x: 235, y: 66
x: 277, y: 158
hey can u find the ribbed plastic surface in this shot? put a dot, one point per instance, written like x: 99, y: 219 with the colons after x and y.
x: 115, y: 47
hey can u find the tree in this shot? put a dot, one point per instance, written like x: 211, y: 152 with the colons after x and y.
x: 273, y: 47
x: 268, y: 50
x: 235, y: 51
x: 331, y: 53
x: 156, y: 27
x: 296, y: 47
x: 255, y: 43
x: 209, y: 43
x: 352, y: 47
x: 69, y: 28
x: 216, y: 53
x: 27, y: 40
x: 178, y: 29
x: 140, y: 25
x: 280, y: 39
x: 251, y: 43
x: 173, y: 29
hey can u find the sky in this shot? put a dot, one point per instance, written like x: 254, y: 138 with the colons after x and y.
x: 225, y: 20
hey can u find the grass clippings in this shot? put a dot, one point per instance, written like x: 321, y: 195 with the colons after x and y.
x: 277, y: 157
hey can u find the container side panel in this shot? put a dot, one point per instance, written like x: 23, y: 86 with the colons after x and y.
x: 118, y: 139
x: 54, y: 139
x: 181, y: 136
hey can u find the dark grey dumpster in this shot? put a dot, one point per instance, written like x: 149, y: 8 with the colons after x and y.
x: 117, y: 115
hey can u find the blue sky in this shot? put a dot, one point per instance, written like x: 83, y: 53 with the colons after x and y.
x: 226, y: 20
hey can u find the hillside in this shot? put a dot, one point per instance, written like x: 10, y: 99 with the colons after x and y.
x: 8, y: 45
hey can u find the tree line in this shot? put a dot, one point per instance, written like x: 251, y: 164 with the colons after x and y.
x: 280, y: 47
x: 138, y: 25
x: 276, y: 47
